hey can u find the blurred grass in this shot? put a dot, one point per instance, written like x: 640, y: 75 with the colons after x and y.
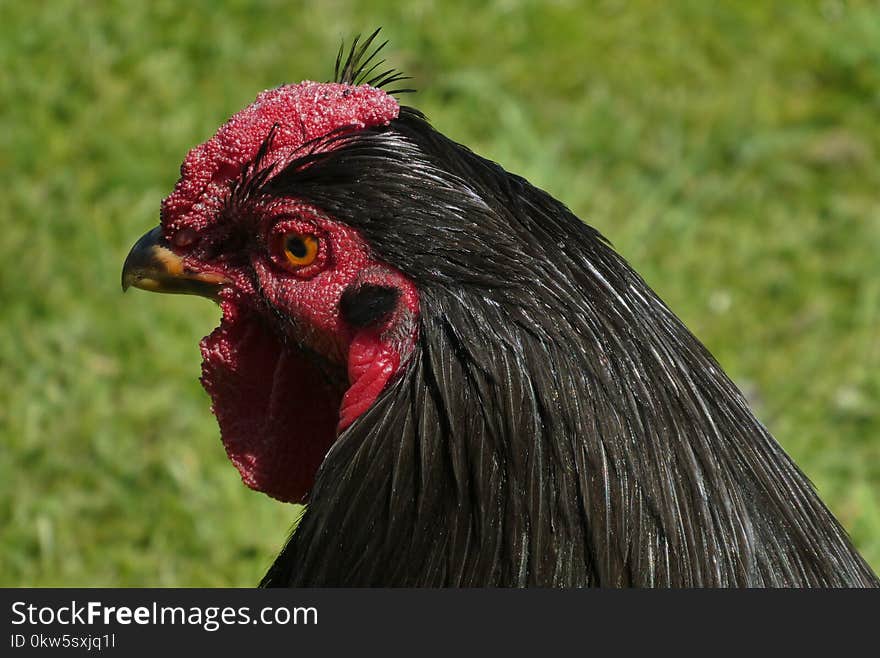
x: 729, y: 150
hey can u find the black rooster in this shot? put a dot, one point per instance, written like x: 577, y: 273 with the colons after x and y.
x: 467, y: 385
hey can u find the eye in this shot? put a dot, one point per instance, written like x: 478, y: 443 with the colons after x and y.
x: 299, y: 249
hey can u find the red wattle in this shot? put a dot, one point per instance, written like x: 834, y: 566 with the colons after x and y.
x: 276, y: 410
x: 371, y: 363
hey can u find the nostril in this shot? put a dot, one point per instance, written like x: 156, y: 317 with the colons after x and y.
x: 185, y: 237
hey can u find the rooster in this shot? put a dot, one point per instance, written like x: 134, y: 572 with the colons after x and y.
x: 464, y: 382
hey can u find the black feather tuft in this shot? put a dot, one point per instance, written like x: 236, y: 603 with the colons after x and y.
x: 254, y: 174
x: 359, y: 67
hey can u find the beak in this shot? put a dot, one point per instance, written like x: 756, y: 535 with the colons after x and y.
x: 151, y: 265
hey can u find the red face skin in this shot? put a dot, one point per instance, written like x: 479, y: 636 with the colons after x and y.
x: 285, y: 371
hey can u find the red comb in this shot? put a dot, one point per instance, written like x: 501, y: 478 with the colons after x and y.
x: 302, y: 112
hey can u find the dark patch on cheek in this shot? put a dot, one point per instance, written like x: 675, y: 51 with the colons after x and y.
x: 233, y: 246
x: 367, y: 304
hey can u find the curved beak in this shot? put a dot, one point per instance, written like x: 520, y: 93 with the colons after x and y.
x: 151, y: 265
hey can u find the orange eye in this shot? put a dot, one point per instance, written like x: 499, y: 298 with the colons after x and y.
x: 300, y: 250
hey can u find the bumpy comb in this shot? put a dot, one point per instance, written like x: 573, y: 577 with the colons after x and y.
x: 298, y: 113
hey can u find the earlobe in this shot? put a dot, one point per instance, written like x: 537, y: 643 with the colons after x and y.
x: 366, y: 304
x: 381, y: 309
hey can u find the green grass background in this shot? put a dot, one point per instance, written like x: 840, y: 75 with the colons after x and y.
x: 729, y: 150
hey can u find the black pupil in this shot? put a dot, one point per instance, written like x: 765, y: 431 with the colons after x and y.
x: 296, y: 246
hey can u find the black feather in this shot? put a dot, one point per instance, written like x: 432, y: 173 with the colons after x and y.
x: 556, y: 425
x: 357, y: 68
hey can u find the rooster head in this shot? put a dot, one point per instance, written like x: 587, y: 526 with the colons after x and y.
x: 314, y: 323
